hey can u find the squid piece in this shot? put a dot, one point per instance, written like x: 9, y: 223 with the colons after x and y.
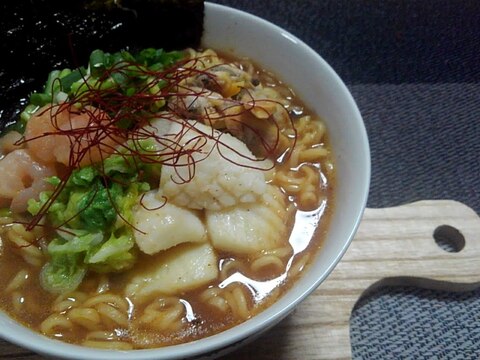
x: 250, y: 228
x: 182, y: 268
x: 160, y: 226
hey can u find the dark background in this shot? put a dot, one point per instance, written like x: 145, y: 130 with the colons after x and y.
x: 413, y: 67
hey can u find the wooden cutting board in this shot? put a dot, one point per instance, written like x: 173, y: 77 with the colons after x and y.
x: 392, y: 246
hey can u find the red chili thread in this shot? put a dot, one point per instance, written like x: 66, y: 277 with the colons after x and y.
x: 107, y: 109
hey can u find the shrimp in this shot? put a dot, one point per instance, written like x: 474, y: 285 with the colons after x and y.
x: 9, y: 142
x: 66, y: 135
x: 22, y: 179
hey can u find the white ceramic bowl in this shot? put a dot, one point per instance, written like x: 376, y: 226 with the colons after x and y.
x: 322, y: 91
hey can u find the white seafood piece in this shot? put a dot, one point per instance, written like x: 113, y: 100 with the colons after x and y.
x: 160, y: 130
x: 160, y: 226
x: 182, y: 268
x: 250, y: 228
x: 219, y: 172
x: 160, y: 126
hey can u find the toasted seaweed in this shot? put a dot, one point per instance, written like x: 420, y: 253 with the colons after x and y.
x: 38, y: 36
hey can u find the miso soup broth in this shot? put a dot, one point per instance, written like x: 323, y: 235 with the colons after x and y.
x: 156, y: 198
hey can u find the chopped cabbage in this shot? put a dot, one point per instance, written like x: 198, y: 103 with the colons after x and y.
x: 93, y: 212
x: 66, y: 269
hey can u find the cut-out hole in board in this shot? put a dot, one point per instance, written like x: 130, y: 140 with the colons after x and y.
x: 449, y: 238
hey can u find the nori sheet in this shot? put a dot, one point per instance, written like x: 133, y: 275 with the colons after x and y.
x: 37, y: 36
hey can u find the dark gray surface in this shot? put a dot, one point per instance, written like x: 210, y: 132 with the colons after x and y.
x: 413, y: 67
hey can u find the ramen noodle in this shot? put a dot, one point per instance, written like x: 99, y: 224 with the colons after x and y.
x: 156, y: 198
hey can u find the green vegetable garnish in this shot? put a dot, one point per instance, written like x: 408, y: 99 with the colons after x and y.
x: 121, y: 71
x: 94, y: 212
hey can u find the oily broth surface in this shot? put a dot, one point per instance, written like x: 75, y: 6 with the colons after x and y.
x: 36, y: 302
x: 31, y: 305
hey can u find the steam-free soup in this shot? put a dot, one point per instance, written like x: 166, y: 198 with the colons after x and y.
x: 156, y: 198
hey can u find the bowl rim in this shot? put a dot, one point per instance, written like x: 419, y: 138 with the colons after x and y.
x: 261, y: 322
